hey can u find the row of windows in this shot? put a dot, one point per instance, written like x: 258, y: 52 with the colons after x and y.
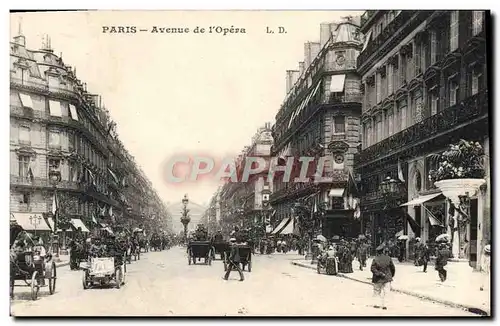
x: 399, y: 115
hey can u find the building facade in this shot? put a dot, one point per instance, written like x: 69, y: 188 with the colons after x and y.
x: 241, y: 203
x: 424, y: 78
x: 62, y: 141
x: 320, y: 117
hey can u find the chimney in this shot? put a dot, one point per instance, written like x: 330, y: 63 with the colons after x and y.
x: 307, y: 54
x: 295, y: 76
x: 288, y: 80
x: 302, y: 67
x: 315, y: 48
x: 324, y: 33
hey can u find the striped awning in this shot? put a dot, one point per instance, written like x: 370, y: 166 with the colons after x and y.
x: 281, y: 226
x: 77, y: 223
x: 288, y: 229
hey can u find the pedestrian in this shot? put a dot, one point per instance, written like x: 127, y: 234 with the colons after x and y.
x: 362, y: 254
x: 234, y: 261
x: 443, y: 254
x: 485, y: 267
x: 383, y: 271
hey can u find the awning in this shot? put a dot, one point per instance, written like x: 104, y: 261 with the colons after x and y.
x: 31, y: 221
x: 288, y: 228
x: 367, y: 39
x: 77, y: 223
x: 309, y: 97
x: 337, y: 83
x: 72, y: 110
x: 421, y: 199
x: 336, y: 192
x: 281, y: 226
x: 26, y: 100
x: 433, y: 220
x: 55, y: 108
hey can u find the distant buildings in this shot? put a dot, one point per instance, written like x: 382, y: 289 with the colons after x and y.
x: 62, y: 138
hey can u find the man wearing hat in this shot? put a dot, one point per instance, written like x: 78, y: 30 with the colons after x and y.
x: 383, y: 271
x: 234, y: 260
x: 443, y: 254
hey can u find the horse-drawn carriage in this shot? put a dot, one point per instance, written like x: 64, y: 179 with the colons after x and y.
x: 245, y: 252
x: 28, y: 265
x: 220, y: 248
x: 198, y: 250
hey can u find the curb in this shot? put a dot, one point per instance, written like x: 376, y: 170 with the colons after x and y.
x: 472, y: 309
x: 62, y: 264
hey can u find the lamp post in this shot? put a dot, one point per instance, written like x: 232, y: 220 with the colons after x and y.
x: 35, y: 221
x: 55, y: 178
x: 389, y: 188
x: 185, y: 219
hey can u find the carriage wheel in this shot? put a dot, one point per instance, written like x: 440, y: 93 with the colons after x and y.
x: 118, y: 277
x: 34, y: 286
x: 249, y: 266
x: 52, y: 279
x: 85, y: 279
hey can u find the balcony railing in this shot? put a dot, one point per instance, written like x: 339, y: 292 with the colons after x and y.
x: 444, y: 121
x: 43, y: 183
x: 367, y: 15
x: 393, y: 29
x: 334, y: 66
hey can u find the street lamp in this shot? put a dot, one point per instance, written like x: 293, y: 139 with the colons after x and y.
x: 55, y: 178
x: 35, y: 221
x: 185, y: 219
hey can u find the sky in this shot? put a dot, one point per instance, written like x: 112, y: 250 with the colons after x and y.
x: 201, y: 94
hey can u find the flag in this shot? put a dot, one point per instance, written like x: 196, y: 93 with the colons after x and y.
x: 92, y: 178
x: 315, y: 209
x: 94, y: 219
x: 400, y: 172
x: 110, y: 210
x: 54, y: 204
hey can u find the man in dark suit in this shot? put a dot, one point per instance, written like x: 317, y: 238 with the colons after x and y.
x: 383, y: 271
x: 234, y: 261
x: 443, y: 254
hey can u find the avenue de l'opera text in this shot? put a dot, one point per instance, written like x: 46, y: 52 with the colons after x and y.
x: 223, y: 30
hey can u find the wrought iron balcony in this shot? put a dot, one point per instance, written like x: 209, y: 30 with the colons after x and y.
x: 396, y: 30
x: 473, y: 107
x: 43, y: 183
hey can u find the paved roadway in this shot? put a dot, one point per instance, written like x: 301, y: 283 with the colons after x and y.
x: 163, y: 284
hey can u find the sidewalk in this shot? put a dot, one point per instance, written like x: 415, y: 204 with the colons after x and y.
x: 64, y: 261
x: 461, y: 289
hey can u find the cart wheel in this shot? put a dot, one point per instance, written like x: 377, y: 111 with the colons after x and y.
x: 52, y: 279
x: 34, y: 286
x: 249, y: 266
x: 118, y: 277
x: 85, y: 279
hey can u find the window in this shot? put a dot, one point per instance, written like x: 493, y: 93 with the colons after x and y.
x: 433, y: 101
x: 24, y: 165
x: 54, y: 139
x: 369, y: 135
x: 389, y: 79
x: 477, y: 22
x: 403, y: 108
x: 417, y: 58
x: 454, y: 30
x: 402, y: 70
x: 25, y: 199
x: 26, y: 101
x: 453, y: 93
x: 409, y: 64
x: 379, y: 127
x: 418, y: 106
x: 55, y: 108
x: 378, y: 88
x: 390, y: 121
x: 73, y: 172
x: 24, y: 135
x: 71, y: 141
x: 477, y: 77
x: 339, y: 125
x: 433, y: 47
